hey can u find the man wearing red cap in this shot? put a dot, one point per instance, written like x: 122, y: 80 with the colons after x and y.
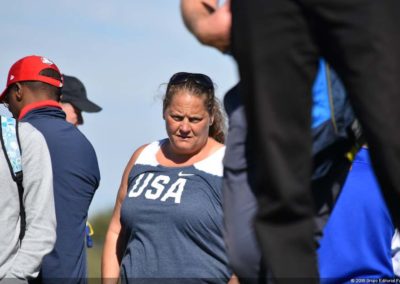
x: 33, y: 93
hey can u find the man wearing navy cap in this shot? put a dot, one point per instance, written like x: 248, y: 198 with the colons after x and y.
x: 74, y: 100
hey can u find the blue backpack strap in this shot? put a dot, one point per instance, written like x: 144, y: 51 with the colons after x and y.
x: 11, y: 146
x: 335, y: 129
x: 346, y: 124
x: 12, y: 151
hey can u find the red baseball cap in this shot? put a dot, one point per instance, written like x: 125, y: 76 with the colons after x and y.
x: 28, y: 69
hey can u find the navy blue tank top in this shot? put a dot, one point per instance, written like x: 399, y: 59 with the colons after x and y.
x: 173, y: 220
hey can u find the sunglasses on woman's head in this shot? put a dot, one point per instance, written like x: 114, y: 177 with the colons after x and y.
x: 183, y: 77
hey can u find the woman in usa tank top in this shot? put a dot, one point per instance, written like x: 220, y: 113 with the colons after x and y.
x: 167, y: 222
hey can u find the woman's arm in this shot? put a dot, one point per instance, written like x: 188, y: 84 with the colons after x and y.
x: 114, y: 244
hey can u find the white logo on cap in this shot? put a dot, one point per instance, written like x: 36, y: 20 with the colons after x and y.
x: 12, y: 77
x: 47, y: 61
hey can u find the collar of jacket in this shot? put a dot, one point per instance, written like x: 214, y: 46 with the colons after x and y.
x: 38, y: 105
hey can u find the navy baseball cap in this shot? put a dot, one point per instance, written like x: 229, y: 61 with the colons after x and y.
x: 74, y: 92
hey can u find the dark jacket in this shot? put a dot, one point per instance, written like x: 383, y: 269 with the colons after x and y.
x: 76, y: 178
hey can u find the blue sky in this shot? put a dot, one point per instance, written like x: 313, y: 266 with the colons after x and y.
x: 124, y: 52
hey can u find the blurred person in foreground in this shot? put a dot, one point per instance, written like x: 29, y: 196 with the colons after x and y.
x: 370, y: 249
x: 74, y: 100
x: 34, y: 87
x: 277, y: 45
x: 167, y: 222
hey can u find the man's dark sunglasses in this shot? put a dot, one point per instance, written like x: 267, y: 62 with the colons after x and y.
x: 183, y: 77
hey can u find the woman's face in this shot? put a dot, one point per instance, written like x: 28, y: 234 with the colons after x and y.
x: 187, y: 123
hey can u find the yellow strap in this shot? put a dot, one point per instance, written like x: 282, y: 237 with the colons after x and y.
x: 91, y: 231
x: 352, y: 153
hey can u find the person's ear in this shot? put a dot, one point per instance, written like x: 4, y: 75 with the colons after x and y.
x: 18, y: 91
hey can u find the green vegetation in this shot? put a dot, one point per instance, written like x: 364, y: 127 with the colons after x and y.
x: 99, y: 223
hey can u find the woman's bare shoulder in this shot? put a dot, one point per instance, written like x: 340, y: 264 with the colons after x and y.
x: 134, y: 157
